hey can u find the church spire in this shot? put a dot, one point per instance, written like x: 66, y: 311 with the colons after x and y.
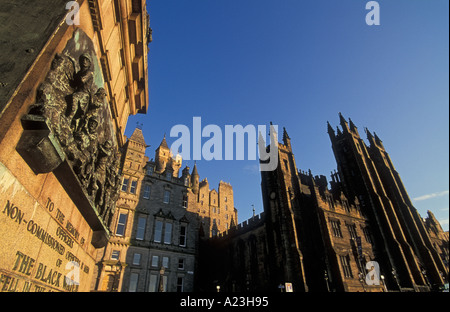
x: 343, y: 123
x: 378, y: 140
x: 353, y: 128
x: 286, y: 138
x: 330, y: 131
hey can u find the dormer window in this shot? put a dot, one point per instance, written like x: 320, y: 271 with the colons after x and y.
x: 330, y: 201
x: 346, y: 205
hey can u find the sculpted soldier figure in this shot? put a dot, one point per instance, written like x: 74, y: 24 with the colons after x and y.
x: 84, y: 150
x: 111, y: 184
x: 51, y: 96
x: 97, y: 187
x: 97, y: 101
x: 83, y: 82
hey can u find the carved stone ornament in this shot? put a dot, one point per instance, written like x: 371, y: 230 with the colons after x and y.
x: 69, y: 132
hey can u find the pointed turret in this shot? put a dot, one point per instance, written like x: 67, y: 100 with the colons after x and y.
x: 330, y: 131
x: 138, y: 137
x: 194, y: 170
x: 275, y: 133
x: 162, y: 156
x: 343, y: 123
x: 195, y: 179
x: 379, y: 142
x: 433, y: 223
x: 353, y: 128
x: 370, y: 137
x: 286, y: 138
x: 164, y: 143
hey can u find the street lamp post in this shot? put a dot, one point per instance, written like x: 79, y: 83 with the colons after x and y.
x: 424, y: 273
x: 394, y: 274
x: 326, y: 280
x: 361, y: 280
x: 384, y: 284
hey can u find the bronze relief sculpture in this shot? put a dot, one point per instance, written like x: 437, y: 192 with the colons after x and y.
x: 71, y: 108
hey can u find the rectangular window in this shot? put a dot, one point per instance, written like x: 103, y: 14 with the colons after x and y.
x: 146, y: 193
x: 125, y: 185
x: 137, y: 259
x: 141, y: 228
x: 115, y: 254
x: 149, y: 170
x: 336, y: 227
x: 180, y: 282
x: 133, y: 187
x: 345, y: 262
x: 152, y: 287
x: 185, y: 201
x: 133, y: 282
x: 121, y: 224
x: 182, y: 241
x: 181, y: 264
x: 367, y: 236
x: 158, y: 231
x: 168, y: 233
x: 166, y: 198
x: 352, y: 230
x: 155, y: 261
x: 165, y: 262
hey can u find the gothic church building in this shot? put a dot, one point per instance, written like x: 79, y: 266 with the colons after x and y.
x: 320, y: 238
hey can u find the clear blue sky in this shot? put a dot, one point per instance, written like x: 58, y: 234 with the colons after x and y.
x: 297, y: 64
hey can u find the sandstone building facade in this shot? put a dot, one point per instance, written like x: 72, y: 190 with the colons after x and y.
x: 68, y: 87
x: 320, y: 238
x: 160, y: 217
